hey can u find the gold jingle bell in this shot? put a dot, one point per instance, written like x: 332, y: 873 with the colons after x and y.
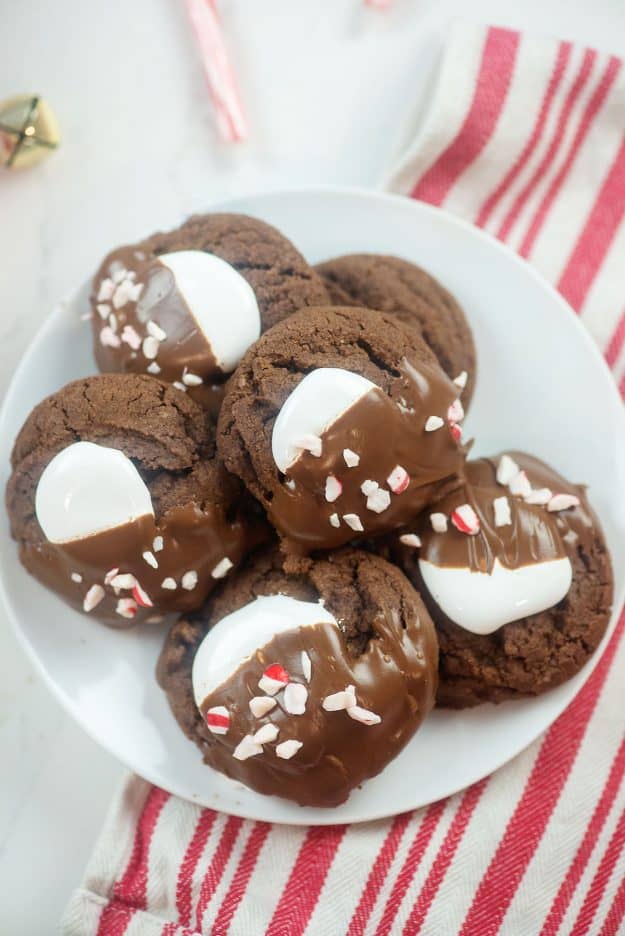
x: 28, y: 131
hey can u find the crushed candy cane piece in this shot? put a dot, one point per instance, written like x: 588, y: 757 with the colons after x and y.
x: 398, y: 480
x: 157, y: 543
x: 562, y: 502
x: 461, y: 379
x: 455, y: 413
x: 379, y: 501
x: 123, y: 580
x: 334, y: 488
x: 274, y: 678
x: 439, y: 522
x: 295, y: 698
x: 179, y: 386
x: 363, y: 715
x: 433, y: 423
x: 520, y: 485
x: 465, y: 519
x: 106, y: 290
x: 369, y: 487
x: 287, y: 749
x: 150, y: 558
x: 507, y: 469
x: 540, y: 496
x: 126, y: 607
x: 189, y: 580
x: 266, y: 733
x: 131, y: 337
x: 93, y: 598
x: 338, y: 701
x: 501, y: 507
x: 306, y: 665
x: 192, y: 380
x: 410, y: 539
x: 218, y: 719
x: 76, y: 577
x: 309, y: 443
x: 110, y: 575
x: 456, y: 431
x: 261, y: 704
x: 247, y: 747
x: 169, y: 583
x: 156, y: 331
x: 335, y: 520
x: 351, y: 459
x: 150, y: 347
x: 103, y: 310
x: 354, y: 522
x: 141, y: 597
x: 153, y: 368
x: 108, y: 338
x: 222, y: 568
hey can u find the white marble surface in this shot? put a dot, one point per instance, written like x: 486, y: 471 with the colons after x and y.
x: 327, y: 87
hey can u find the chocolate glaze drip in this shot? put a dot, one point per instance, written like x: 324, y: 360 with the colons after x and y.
x: 534, y: 535
x: 395, y: 677
x: 384, y: 432
x: 185, y: 349
x: 194, y: 540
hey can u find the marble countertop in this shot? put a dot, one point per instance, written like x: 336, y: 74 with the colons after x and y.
x: 328, y: 88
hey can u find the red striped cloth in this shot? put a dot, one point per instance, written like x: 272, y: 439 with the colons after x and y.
x: 525, y: 137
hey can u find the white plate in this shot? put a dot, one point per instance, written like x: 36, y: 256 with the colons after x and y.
x: 543, y: 386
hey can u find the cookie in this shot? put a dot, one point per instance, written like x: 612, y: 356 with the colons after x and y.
x: 400, y: 288
x: 342, y: 424
x: 302, y: 678
x: 515, y: 535
x: 185, y: 305
x: 119, y: 503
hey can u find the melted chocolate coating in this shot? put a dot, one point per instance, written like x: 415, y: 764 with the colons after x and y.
x: 384, y: 435
x: 393, y: 668
x: 534, y: 535
x: 184, y: 349
x: 194, y: 540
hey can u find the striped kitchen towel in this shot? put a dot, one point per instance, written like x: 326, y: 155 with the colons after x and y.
x: 526, y: 138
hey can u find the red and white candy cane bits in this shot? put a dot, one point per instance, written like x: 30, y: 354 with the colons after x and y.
x: 465, y: 519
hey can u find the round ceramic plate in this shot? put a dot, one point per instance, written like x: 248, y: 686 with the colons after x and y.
x: 542, y: 386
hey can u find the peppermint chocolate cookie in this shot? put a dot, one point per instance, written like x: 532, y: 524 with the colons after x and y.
x: 515, y: 571
x: 185, y: 305
x: 342, y: 424
x: 302, y: 678
x: 119, y: 503
x: 408, y: 292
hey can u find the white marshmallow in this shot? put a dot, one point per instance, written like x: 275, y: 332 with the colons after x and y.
x: 313, y: 406
x: 220, y: 300
x: 235, y: 638
x: 482, y: 603
x: 86, y: 489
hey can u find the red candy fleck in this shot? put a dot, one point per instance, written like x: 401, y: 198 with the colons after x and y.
x: 141, y: 597
x: 218, y: 719
x: 277, y: 672
x: 465, y: 519
x: 398, y: 480
x: 456, y: 431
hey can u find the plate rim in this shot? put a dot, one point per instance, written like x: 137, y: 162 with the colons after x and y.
x: 231, y: 204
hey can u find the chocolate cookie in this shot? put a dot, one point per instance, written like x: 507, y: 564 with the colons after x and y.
x: 119, y: 503
x: 408, y: 292
x: 186, y: 304
x: 515, y: 571
x: 342, y: 424
x: 303, y: 678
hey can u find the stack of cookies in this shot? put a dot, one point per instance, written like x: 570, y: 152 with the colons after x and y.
x: 272, y: 465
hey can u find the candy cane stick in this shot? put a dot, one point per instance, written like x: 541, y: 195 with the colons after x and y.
x: 217, y: 69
